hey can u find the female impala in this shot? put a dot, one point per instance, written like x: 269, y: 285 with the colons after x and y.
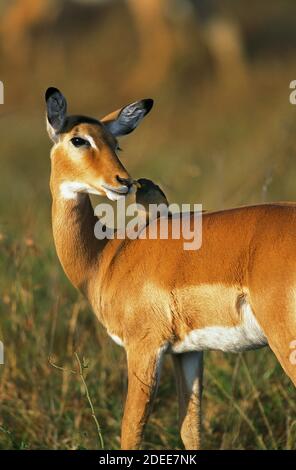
x: 237, y: 292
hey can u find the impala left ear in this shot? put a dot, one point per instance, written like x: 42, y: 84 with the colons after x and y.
x: 56, y: 110
x: 125, y: 120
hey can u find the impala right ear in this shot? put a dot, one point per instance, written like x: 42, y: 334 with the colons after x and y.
x: 56, y: 105
x: 125, y: 120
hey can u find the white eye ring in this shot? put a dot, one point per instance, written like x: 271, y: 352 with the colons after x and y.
x: 91, y: 141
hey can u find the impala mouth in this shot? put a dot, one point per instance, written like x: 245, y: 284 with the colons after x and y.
x: 115, y: 193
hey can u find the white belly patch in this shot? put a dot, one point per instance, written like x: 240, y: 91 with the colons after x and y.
x: 247, y: 335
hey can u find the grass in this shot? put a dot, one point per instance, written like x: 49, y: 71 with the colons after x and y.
x: 209, y: 145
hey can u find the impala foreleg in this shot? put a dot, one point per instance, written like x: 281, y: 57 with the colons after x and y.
x: 143, y: 376
x: 188, y: 372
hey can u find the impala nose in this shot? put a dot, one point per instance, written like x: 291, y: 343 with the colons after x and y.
x: 126, y: 181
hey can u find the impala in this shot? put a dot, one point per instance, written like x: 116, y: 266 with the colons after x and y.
x: 237, y: 292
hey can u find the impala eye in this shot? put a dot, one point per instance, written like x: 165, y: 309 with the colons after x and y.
x: 79, y: 142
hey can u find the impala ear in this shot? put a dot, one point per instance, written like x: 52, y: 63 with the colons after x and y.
x: 125, y: 120
x: 56, y: 105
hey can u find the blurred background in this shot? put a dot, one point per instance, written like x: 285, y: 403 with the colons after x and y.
x: 222, y: 133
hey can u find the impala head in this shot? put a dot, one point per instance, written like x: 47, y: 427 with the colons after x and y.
x: 85, y: 149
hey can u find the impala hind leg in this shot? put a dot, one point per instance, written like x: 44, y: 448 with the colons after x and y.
x: 188, y: 372
x: 277, y: 318
x: 282, y: 341
x: 143, y: 377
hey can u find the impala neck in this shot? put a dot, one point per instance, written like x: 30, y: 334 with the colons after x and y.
x: 73, y: 224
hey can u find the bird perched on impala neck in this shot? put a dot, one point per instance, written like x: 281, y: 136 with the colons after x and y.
x: 150, y: 193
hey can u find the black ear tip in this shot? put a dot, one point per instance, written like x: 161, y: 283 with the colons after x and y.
x: 148, y: 104
x: 50, y: 91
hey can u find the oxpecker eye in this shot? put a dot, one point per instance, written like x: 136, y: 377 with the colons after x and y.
x: 79, y: 142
